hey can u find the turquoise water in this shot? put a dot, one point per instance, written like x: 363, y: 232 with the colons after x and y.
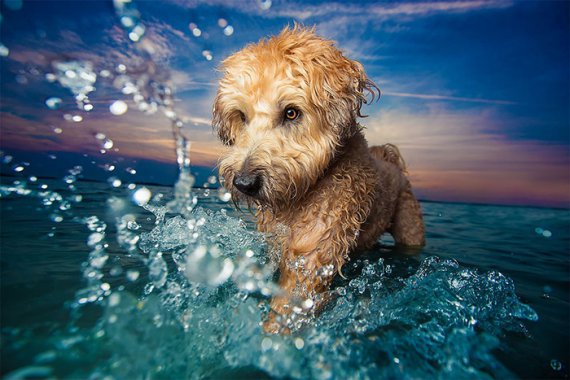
x: 95, y: 287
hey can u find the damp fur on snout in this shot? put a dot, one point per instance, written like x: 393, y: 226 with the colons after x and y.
x: 287, y: 110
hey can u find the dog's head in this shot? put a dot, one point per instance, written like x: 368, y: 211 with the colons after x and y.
x: 284, y: 107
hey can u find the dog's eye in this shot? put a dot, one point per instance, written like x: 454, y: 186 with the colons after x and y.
x: 291, y: 113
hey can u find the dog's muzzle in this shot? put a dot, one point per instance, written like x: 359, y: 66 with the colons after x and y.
x: 249, y: 184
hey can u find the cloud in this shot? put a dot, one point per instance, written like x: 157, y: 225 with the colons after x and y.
x: 445, y: 97
x: 463, y: 156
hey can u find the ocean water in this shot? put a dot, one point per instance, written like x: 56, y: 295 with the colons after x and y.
x: 97, y: 283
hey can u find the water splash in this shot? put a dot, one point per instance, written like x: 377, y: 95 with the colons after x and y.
x: 201, y: 283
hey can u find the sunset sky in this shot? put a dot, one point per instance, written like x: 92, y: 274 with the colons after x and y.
x: 475, y: 93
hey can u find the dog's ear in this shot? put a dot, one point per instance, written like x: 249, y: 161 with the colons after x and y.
x: 221, y: 123
x: 362, y: 87
x: 349, y: 85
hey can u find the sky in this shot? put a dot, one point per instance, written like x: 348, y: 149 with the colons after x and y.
x: 476, y: 93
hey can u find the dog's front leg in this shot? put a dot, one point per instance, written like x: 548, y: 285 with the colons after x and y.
x: 305, y: 276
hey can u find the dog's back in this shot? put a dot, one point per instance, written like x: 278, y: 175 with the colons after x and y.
x: 389, y: 153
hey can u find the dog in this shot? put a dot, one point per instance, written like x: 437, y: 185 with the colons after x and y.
x: 287, y: 110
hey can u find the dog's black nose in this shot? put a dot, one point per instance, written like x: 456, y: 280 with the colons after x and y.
x: 249, y: 184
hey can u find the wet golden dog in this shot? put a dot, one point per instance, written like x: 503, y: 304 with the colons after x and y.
x: 287, y: 108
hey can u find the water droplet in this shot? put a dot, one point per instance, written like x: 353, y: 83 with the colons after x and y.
x: 114, y: 299
x: 18, y: 168
x: 57, y: 130
x: 228, y: 30
x: 266, y: 344
x: 132, y: 275
x: 114, y: 181
x: 77, y: 118
x: 222, y: 22
x: 264, y: 4
x: 118, y: 107
x: 142, y: 196
x: 107, y: 144
x: 33, y: 178
x: 88, y: 107
x: 4, y: 51
x: 299, y: 343
x: 555, y: 365
x: 132, y: 225
x: 95, y: 238
x: 224, y: 195
x: 53, y: 103
x: 207, y: 54
x: 121, y: 69
x: 547, y: 234
x: 56, y: 218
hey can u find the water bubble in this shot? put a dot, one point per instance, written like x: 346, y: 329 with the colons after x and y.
x: 33, y: 178
x: 299, y: 343
x: 114, y: 299
x: 108, y: 167
x: 196, y: 32
x: 51, y: 77
x: 212, y: 179
x: 53, y: 103
x: 228, y: 30
x: 7, y: 159
x: 107, y: 144
x: 118, y: 107
x: 224, y: 195
x: 18, y: 168
x: 142, y: 196
x: 132, y: 225
x: 114, y: 181
x: 121, y: 69
x: 137, y: 33
x: 95, y: 238
x: 555, y: 365
x: 308, y: 303
x: 207, y: 54
x: 57, y: 130
x: 74, y: 118
x: 100, y: 136
x: 56, y: 218
x: 547, y: 233
x: 266, y: 344
x: 222, y: 22
x: 132, y: 275
x: 88, y: 107
x: 131, y: 171
x: 4, y: 51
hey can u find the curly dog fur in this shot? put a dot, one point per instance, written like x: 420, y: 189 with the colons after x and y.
x: 287, y: 109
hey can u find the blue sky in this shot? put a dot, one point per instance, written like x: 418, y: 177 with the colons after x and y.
x: 475, y: 93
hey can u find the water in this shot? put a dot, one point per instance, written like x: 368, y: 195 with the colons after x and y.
x: 119, y: 280
x: 487, y: 297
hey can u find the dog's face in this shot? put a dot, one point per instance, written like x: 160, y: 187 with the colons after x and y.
x: 284, y: 107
